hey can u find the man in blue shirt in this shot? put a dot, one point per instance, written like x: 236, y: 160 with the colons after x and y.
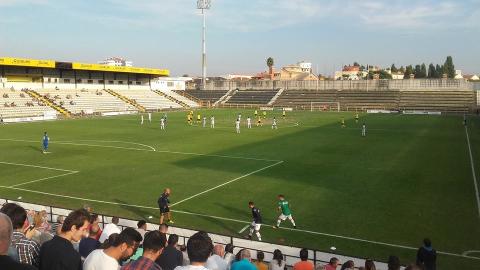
x: 45, y: 142
x: 245, y: 261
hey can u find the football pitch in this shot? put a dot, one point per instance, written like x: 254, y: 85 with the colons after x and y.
x: 411, y: 177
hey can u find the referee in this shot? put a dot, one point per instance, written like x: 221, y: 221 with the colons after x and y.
x: 163, y: 203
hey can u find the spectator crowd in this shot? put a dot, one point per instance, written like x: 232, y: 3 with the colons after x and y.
x: 28, y: 241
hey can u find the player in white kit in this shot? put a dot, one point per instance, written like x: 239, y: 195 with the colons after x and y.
x: 141, y: 116
x: 204, y: 123
x: 150, y: 117
x: 249, y: 122
x: 237, y: 125
x: 162, y: 123
x: 364, y: 130
x: 212, y: 122
x: 274, y: 123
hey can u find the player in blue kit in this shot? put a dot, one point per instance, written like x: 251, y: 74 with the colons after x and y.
x: 45, y: 141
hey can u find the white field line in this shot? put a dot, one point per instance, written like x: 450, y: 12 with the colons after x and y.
x: 239, y: 221
x: 473, y: 171
x: 43, y: 179
x: 243, y: 229
x: 226, y: 183
x: 35, y: 166
x: 147, y: 150
x: 135, y: 143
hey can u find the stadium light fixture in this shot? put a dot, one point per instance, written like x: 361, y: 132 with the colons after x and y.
x: 204, y: 5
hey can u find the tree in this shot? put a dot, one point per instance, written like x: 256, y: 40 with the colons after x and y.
x: 408, y: 72
x: 423, y: 71
x: 382, y: 74
x: 418, y: 72
x: 449, y: 68
x: 355, y: 64
x: 270, y: 67
x: 393, y: 68
x: 432, y: 73
x: 402, y: 69
x: 439, y: 71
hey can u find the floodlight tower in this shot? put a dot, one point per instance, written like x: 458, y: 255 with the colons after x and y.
x: 204, y: 5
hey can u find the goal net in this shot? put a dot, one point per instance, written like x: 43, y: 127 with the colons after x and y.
x: 325, y: 106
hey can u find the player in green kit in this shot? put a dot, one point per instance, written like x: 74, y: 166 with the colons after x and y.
x: 284, y: 208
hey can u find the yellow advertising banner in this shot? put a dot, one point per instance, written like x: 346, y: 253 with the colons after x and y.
x: 97, y: 67
x: 23, y: 62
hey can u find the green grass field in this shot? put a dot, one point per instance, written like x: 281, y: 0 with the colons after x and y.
x: 410, y: 177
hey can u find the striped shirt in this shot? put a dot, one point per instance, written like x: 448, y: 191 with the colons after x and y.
x: 142, y: 263
x: 28, y: 250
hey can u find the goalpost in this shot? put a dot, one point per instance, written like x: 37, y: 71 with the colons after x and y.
x: 325, y: 106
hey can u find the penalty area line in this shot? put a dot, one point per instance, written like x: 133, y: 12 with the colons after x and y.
x: 474, y: 175
x: 226, y: 183
x: 243, y: 229
x: 239, y: 221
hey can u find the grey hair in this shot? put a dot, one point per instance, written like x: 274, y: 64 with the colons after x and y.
x: 6, y: 232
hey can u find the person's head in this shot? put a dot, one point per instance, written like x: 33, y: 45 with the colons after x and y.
x: 94, y: 218
x: 16, y: 213
x: 6, y: 231
x: 37, y: 220
x: 427, y: 243
x: 126, y: 243
x: 369, y: 264
x: 334, y: 262
x: 281, y: 197
x: 172, y: 240
x: 348, y: 265
x: 76, y: 224
x: 245, y: 254
x: 154, y: 243
x: 88, y: 208
x: 115, y: 220
x: 199, y: 247
x: 260, y: 256
x: 229, y: 248
x: 412, y: 267
x: 163, y: 228
x: 304, y: 254
x: 251, y: 204
x: 278, y: 256
x: 60, y: 219
x: 167, y: 191
x: 94, y: 228
x: 142, y: 224
x: 218, y: 250
x: 45, y: 133
x: 109, y: 241
x: 393, y: 263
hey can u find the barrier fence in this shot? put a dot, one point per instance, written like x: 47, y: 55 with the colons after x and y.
x: 291, y: 254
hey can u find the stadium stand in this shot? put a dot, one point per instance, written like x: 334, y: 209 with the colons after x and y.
x: 302, y: 99
x: 183, y: 99
x: 149, y: 99
x: 205, y: 95
x: 16, y: 103
x: 252, y: 97
x: 86, y: 101
x: 453, y: 101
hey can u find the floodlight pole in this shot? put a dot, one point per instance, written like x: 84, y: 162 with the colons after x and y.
x: 204, y: 5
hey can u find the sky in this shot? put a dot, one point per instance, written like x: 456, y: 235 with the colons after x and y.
x: 242, y: 34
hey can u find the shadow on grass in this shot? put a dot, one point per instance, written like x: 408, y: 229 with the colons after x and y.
x: 139, y: 213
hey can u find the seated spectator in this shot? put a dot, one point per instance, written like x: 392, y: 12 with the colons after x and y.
x: 112, y: 238
x: 27, y: 249
x: 244, y: 261
x: 183, y: 249
x: 259, y: 263
x: 45, y: 226
x: 199, y: 248
x: 277, y: 262
x: 89, y: 244
x: 216, y: 261
x: 370, y: 265
x: 393, y: 263
x: 95, y: 221
x: 427, y: 256
x: 39, y: 234
x: 153, y: 246
x: 348, y: 265
x: 142, y: 228
x: 59, y: 252
x: 229, y: 257
x: 109, y: 229
x: 333, y: 264
x: 6, y: 232
x: 122, y: 248
x: 56, y: 227
x: 171, y: 257
x: 303, y: 264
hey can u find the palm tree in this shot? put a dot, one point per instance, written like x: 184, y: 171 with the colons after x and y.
x: 270, y: 67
